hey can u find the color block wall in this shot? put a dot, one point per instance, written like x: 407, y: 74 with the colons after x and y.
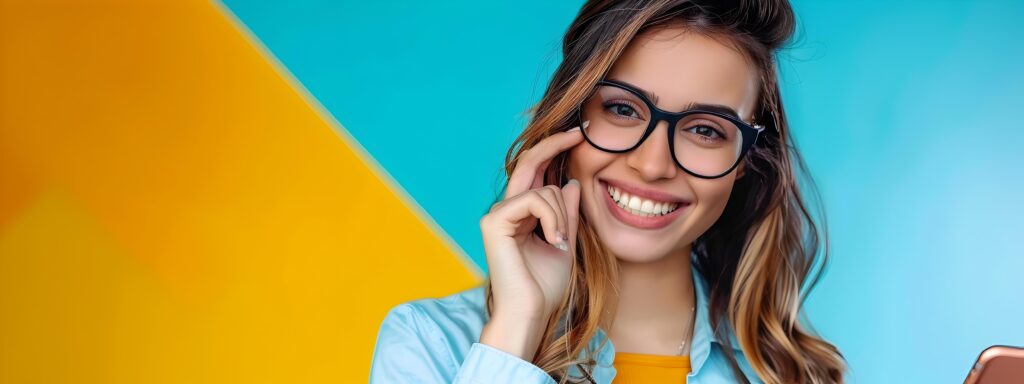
x: 238, y: 191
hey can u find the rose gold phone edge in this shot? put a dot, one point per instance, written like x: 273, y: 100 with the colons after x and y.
x: 987, y: 355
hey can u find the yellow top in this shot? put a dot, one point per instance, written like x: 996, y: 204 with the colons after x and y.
x: 644, y: 368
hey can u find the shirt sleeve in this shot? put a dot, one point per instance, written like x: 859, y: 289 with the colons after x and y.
x: 486, y: 364
x: 411, y: 349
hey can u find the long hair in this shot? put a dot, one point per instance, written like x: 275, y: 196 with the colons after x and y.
x: 762, y: 251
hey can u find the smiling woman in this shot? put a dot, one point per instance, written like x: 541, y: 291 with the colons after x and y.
x: 651, y: 229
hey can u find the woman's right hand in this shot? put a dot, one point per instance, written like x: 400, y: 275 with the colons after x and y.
x: 529, y: 275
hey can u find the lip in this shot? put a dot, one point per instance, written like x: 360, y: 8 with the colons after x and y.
x: 642, y: 222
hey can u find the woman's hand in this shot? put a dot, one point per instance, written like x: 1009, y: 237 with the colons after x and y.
x: 529, y: 275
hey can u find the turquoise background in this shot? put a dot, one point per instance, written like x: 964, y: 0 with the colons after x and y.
x: 909, y: 114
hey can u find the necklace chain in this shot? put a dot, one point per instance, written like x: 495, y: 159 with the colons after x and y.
x: 682, y: 345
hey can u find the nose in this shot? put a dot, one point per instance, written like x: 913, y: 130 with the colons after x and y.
x: 652, y: 159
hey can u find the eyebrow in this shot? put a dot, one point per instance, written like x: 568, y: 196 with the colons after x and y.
x: 723, y: 109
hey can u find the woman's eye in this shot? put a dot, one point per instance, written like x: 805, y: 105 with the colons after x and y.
x: 706, y: 131
x: 623, y: 110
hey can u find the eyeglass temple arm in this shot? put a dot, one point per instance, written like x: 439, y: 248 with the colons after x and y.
x: 760, y: 127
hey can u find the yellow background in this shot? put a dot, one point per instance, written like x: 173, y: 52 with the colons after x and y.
x: 176, y: 208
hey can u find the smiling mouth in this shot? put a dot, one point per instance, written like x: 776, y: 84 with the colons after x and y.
x: 639, y: 206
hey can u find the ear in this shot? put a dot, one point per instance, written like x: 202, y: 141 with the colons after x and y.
x: 741, y: 169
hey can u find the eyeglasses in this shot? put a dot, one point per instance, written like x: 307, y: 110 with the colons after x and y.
x: 706, y: 142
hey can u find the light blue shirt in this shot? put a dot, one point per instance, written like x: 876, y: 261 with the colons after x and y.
x: 436, y: 340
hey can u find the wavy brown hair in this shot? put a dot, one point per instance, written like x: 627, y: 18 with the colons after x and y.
x: 754, y: 284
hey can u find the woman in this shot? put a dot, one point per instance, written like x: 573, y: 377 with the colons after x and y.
x: 662, y: 238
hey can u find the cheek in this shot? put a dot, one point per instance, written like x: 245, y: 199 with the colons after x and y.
x: 585, y: 161
x: 712, y: 196
x: 584, y: 164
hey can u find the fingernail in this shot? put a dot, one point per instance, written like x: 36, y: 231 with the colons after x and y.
x: 574, y: 181
x: 562, y: 245
x: 585, y: 124
x: 561, y: 235
x: 573, y: 129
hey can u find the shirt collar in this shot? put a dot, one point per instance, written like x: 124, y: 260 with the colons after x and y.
x: 700, y: 343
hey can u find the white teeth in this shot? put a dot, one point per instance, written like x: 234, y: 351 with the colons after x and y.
x: 646, y: 206
x: 639, y: 206
x: 634, y: 202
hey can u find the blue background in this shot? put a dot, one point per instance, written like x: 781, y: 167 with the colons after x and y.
x: 908, y: 114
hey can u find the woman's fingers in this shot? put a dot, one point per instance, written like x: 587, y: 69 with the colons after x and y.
x: 571, y: 197
x: 553, y: 195
x: 538, y: 177
x: 532, y: 159
x: 530, y: 204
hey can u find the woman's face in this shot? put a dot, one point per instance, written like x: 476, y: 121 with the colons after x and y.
x: 680, y: 68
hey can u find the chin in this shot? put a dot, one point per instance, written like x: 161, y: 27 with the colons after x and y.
x: 636, y: 254
x: 636, y: 246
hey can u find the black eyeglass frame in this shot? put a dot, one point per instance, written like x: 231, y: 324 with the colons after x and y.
x: 749, y: 132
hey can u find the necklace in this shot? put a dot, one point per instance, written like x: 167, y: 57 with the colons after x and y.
x: 682, y: 345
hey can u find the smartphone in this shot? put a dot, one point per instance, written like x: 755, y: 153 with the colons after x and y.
x: 998, y: 364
